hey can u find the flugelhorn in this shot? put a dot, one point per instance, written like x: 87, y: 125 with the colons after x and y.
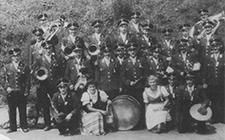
x: 93, y: 49
x: 41, y: 73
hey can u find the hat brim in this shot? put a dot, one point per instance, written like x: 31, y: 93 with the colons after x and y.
x: 197, y: 116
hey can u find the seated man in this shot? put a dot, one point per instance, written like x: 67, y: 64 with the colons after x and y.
x: 66, y: 108
x: 187, y: 96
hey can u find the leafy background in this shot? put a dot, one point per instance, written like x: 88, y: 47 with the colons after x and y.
x: 18, y: 17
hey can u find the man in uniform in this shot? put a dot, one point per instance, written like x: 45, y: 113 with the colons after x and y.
x: 46, y: 72
x: 146, y: 41
x: 67, y: 108
x: 123, y: 37
x: 98, y: 37
x: 72, y: 39
x: 168, y: 43
x: 134, y: 26
x: 133, y: 74
x: 108, y: 73
x: 187, y: 96
x: 17, y: 87
x: 214, y: 79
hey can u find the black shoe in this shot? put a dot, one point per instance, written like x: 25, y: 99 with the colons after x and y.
x: 25, y: 130
x: 11, y: 130
x: 47, y: 128
x: 201, y: 131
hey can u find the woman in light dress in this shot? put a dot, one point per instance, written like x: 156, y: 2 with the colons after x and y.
x: 155, y: 99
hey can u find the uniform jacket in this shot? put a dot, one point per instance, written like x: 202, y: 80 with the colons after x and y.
x: 68, y: 40
x: 72, y: 70
x: 118, y: 39
x: 154, y: 68
x: 52, y: 67
x: 70, y: 105
x: 108, y: 77
x: 180, y: 65
x: 133, y: 30
x: 184, y: 98
x: 17, y: 79
x: 136, y: 72
x: 168, y: 49
x: 214, y: 70
x: 103, y: 38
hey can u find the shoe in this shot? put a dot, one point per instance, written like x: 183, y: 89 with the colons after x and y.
x: 11, y: 130
x: 201, y: 131
x: 25, y: 130
x: 47, y: 128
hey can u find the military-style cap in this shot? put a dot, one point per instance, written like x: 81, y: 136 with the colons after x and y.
x: 73, y: 26
x: 171, y: 76
x: 14, y: 51
x: 184, y: 26
x: 120, y: 46
x: 97, y: 23
x: 42, y: 17
x: 202, y: 11
x: 38, y: 31
x: 167, y: 31
x: 135, y: 14
x: 122, y: 21
x: 62, y: 82
x: 147, y: 26
x: 132, y: 46
x: 189, y: 75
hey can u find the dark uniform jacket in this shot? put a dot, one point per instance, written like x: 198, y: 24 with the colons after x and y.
x: 73, y: 69
x: 17, y: 79
x: 70, y: 105
x: 134, y: 72
x: 52, y: 67
x: 185, y: 100
x: 168, y: 49
x: 108, y: 77
x: 214, y: 70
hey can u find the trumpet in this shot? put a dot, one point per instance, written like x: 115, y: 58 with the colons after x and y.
x: 93, y: 49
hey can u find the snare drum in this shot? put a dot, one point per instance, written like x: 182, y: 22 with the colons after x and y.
x: 126, y: 112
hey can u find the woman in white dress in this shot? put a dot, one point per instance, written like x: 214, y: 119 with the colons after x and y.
x: 155, y: 99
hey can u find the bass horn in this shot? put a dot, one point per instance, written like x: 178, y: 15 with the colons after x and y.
x: 41, y: 73
x: 93, y: 49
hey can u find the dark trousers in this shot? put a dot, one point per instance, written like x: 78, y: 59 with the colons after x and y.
x: 17, y: 99
x: 137, y: 93
x: 185, y: 121
x: 72, y: 125
x: 216, y: 96
x: 43, y: 102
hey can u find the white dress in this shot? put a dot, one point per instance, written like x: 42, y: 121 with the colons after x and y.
x: 154, y: 112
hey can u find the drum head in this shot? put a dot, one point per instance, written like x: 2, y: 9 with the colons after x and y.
x: 126, y: 111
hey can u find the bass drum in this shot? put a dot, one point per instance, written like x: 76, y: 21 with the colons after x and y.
x: 126, y: 112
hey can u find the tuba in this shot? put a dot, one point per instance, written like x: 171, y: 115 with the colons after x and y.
x: 41, y: 73
x: 93, y: 49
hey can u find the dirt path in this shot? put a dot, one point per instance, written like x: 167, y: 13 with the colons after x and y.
x: 216, y: 133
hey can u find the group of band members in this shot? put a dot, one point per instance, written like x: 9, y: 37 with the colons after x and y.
x: 82, y: 77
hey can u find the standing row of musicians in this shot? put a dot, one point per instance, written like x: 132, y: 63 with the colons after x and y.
x: 122, y: 63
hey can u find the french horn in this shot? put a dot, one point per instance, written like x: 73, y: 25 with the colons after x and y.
x: 41, y: 73
x: 93, y: 49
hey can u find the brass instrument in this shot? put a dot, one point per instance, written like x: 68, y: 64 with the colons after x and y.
x: 93, y: 49
x: 41, y: 73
